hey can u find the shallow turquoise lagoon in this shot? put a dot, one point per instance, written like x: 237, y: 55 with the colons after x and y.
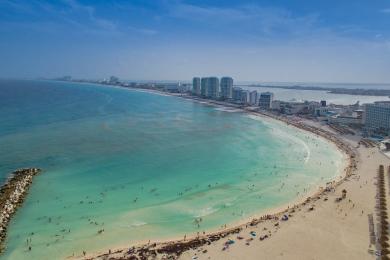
x: 143, y: 166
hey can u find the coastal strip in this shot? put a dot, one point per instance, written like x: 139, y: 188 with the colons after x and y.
x: 12, y: 195
x: 174, y: 249
x: 331, y: 90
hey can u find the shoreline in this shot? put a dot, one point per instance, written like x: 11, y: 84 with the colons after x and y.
x: 12, y: 195
x: 175, y: 247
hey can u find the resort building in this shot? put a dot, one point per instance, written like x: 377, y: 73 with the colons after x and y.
x: 169, y: 87
x: 113, y: 80
x: 226, y: 88
x: 290, y: 108
x: 313, y: 105
x: 203, y: 87
x: 184, y: 87
x: 244, y: 97
x: 377, y: 116
x: 345, y: 120
x: 237, y: 94
x: 321, y: 111
x: 253, y: 98
x: 196, y: 86
x: 212, y: 87
x: 265, y: 100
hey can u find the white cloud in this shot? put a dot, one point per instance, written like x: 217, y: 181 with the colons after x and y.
x: 264, y: 19
x: 144, y: 31
x: 71, y: 13
x: 99, y: 22
x: 194, y: 12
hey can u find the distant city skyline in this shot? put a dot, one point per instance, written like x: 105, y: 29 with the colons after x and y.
x: 253, y: 41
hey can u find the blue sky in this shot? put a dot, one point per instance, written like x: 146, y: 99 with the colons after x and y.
x: 280, y: 40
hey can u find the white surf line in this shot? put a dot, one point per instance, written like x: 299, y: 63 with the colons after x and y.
x: 281, y: 133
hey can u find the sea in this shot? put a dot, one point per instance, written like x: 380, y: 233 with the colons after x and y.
x: 121, y: 167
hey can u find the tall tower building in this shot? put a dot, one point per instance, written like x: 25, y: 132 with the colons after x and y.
x: 196, y: 86
x: 226, y: 87
x: 237, y: 93
x: 212, y: 87
x: 377, y: 116
x: 253, y: 98
x: 265, y: 101
x: 203, y: 87
x: 245, y: 97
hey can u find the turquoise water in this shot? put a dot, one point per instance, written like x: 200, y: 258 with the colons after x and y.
x: 142, y: 166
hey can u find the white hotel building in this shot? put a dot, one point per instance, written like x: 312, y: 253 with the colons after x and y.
x: 377, y: 115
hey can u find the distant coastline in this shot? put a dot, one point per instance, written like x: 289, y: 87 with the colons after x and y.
x: 376, y: 92
x: 345, y: 91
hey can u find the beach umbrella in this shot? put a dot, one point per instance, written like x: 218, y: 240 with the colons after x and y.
x: 384, y: 251
x: 384, y: 223
x: 384, y: 245
x: 382, y: 213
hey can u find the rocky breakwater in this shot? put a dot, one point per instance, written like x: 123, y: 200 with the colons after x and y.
x: 12, y: 195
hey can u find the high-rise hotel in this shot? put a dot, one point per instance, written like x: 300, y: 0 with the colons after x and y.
x: 226, y: 88
x: 196, y: 86
x: 377, y: 116
x: 265, y: 100
x: 213, y: 87
x: 203, y: 87
x: 209, y: 87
